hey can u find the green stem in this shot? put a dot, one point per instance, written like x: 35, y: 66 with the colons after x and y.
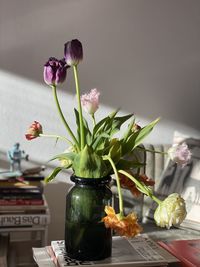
x: 58, y: 137
x: 79, y: 106
x: 153, y: 151
x: 158, y: 201
x: 93, y: 119
x: 141, y: 186
x: 63, y: 118
x: 121, y: 208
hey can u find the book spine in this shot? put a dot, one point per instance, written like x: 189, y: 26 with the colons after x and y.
x: 20, y: 196
x: 16, y: 202
x: 15, y: 184
x: 24, y: 220
x: 20, y: 190
x: 33, y: 178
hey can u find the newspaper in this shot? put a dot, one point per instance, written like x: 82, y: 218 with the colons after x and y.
x: 42, y: 257
x: 138, y: 251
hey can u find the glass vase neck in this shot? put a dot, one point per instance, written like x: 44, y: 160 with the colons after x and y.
x: 90, y: 181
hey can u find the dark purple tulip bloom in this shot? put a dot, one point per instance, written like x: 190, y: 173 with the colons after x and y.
x: 55, y: 71
x: 73, y: 52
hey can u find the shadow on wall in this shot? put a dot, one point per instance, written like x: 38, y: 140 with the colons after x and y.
x: 55, y: 194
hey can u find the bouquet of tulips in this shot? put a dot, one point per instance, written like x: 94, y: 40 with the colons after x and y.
x: 97, y: 152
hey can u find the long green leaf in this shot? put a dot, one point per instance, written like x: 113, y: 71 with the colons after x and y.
x: 127, y: 164
x: 136, y: 138
x: 144, y: 132
x: 53, y: 174
x: 128, y: 132
x: 100, y: 126
x: 100, y: 138
x: 116, y: 123
x: 69, y: 156
x: 87, y: 132
x: 115, y: 152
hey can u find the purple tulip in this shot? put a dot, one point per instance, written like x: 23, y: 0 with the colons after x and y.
x: 73, y: 52
x: 55, y: 71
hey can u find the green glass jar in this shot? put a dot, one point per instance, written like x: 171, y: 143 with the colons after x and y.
x: 86, y: 237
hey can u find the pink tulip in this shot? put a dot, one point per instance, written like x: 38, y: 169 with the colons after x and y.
x: 180, y: 154
x: 90, y: 101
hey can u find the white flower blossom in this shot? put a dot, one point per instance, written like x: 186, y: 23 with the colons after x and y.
x: 171, y: 211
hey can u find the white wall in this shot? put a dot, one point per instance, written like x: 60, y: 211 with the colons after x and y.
x: 144, y: 56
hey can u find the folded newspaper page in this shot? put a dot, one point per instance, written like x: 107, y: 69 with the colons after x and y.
x: 42, y: 257
x: 135, y: 252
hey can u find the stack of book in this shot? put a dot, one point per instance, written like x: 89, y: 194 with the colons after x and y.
x: 22, y: 202
x: 136, y: 252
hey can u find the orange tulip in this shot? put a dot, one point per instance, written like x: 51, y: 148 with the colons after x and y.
x: 125, y: 226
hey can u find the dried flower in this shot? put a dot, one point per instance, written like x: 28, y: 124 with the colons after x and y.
x: 125, y: 226
x: 125, y: 182
x: 55, y: 71
x: 90, y: 101
x: 171, y: 211
x: 34, y: 131
x: 180, y: 154
x: 73, y: 52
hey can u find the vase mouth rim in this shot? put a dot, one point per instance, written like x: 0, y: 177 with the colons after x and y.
x: 90, y: 181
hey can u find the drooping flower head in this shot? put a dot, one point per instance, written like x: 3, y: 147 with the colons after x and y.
x: 171, y: 211
x: 180, y: 154
x: 73, y: 52
x: 90, y: 101
x: 126, y: 226
x: 125, y: 182
x: 55, y: 71
x: 34, y: 131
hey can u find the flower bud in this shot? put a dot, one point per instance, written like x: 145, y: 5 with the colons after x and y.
x: 34, y: 131
x: 73, y: 52
x: 55, y: 71
x: 171, y: 211
x: 90, y: 101
x: 136, y: 127
x: 180, y: 154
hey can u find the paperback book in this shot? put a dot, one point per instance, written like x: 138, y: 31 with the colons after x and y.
x: 187, y: 251
x: 12, y: 209
x: 20, y: 202
x: 16, y: 220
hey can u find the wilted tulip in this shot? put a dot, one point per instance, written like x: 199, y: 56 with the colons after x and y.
x: 34, y: 131
x: 55, y: 71
x: 171, y: 211
x: 180, y: 154
x: 90, y: 101
x: 73, y: 52
x: 125, y: 226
